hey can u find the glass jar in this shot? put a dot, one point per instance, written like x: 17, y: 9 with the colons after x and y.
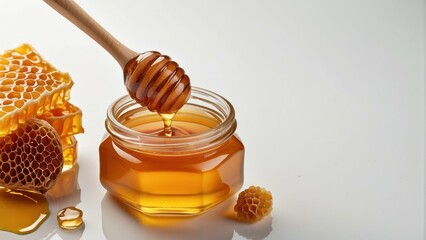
x: 198, y: 167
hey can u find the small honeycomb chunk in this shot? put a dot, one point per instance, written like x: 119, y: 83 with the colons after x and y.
x: 30, y: 157
x: 253, y: 204
x: 65, y: 119
x: 29, y: 86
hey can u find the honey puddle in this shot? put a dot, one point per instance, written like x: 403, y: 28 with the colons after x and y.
x: 22, y: 212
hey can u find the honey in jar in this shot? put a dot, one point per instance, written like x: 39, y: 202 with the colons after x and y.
x: 184, y: 172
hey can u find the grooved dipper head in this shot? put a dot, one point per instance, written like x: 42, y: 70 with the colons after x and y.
x: 157, y: 82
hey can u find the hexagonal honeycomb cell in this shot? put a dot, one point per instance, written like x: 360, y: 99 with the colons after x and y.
x: 30, y: 157
x: 65, y: 119
x: 28, y: 87
x: 69, y: 149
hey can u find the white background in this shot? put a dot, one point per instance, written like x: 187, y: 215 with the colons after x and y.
x: 329, y: 98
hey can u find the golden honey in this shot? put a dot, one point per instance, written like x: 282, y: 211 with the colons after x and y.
x: 196, y: 167
x: 22, y: 212
x: 70, y: 218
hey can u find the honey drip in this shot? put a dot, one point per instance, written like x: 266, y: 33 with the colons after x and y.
x: 70, y: 218
x: 158, y: 83
x: 22, y: 212
x: 167, y: 121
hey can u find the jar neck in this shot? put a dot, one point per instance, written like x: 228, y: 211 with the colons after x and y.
x: 201, y: 99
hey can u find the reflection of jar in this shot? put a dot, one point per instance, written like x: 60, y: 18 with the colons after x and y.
x: 197, y: 168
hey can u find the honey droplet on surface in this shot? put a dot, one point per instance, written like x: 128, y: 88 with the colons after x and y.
x: 22, y: 212
x: 70, y: 218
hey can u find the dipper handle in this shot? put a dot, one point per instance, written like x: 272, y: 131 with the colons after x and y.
x: 152, y: 79
x: 75, y: 14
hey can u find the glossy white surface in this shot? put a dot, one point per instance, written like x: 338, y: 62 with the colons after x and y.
x: 329, y: 98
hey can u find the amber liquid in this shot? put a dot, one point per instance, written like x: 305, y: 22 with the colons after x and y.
x: 70, y: 218
x: 160, y: 183
x: 22, y: 212
x: 167, y: 123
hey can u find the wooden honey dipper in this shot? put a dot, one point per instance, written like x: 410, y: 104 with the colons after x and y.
x: 152, y: 79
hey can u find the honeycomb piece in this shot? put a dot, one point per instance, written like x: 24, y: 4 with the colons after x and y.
x: 28, y: 87
x: 253, y: 204
x: 65, y: 119
x: 30, y: 157
x: 69, y: 149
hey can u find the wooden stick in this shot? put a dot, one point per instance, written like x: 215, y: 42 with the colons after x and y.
x: 75, y: 14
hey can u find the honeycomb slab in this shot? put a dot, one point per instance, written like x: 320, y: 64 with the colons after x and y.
x: 29, y: 86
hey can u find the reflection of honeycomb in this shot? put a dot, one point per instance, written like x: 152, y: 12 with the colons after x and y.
x: 69, y: 148
x: 66, y: 183
x: 31, y: 156
x: 66, y: 119
x: 28, y: 87
x: 253, y: 204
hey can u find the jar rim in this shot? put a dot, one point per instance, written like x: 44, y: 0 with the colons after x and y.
x: 194, y: 142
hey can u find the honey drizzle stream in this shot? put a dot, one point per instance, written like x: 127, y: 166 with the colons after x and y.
x: 167, y: 121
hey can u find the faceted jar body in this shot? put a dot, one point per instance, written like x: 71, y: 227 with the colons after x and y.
x: 198, y: 167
